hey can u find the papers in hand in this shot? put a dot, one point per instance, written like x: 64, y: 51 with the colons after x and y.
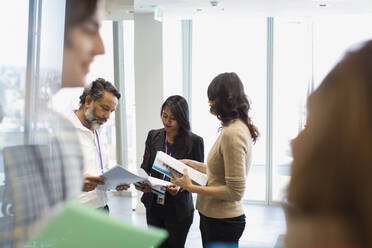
x: 157, y: 185
x: 119, y: 176
x: 165, y: 164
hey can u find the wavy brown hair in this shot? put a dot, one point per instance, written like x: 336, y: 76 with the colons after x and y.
x: 332, y: 157
x: 229, y: 102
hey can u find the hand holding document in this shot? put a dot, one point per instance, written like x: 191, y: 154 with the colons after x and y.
x: 157, y: 185
x: 119, y: 176
x: 165, y: 164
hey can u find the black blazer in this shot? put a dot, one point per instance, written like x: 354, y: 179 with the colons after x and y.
x: 183, y: 200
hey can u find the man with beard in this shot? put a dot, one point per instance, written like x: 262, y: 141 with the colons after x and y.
x: 97, y: 103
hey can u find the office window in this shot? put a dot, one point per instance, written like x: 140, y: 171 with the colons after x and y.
x: 49, y: 59
x: 292, y: 78
x: 22, y: 97
x: 239, y: 46
x: 103, y: 67
x: 13, y: 50
x: 172, y: 57
x: 333, y: 36
x: 300, y: 64
x: 128, y: 31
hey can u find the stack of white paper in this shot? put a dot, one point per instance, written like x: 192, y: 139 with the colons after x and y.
x: 165, y: 164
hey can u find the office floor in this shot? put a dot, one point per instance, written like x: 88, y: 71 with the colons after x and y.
x: 264, y: 225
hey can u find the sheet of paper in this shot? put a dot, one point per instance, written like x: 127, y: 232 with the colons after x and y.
x: 119, y: 176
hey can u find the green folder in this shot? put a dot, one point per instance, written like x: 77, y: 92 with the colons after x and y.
x: 80, y: 226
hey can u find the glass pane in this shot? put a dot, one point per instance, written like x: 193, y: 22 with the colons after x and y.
x: 333, y: 36
x: 103, y: 67
x: 45, y: 67
x: 128, y: 30
x: 292, y: 75
x: 13, y: 50
x: 172, y: 57
x: 49, y: 79
x: 232, y: 46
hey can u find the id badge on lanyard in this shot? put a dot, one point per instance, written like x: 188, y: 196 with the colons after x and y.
x: 160, y: 199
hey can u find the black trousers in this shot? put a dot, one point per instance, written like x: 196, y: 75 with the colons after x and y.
x: 226, y: 231
x: 177, y: 230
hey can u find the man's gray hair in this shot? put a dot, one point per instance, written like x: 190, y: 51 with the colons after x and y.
x: 97, y: 89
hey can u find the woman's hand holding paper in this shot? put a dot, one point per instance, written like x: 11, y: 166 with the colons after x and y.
x: 144, y: 187
x: 184, y: 181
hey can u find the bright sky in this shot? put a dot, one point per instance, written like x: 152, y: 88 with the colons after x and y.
x: 13, y: 26
x: 14, y: 32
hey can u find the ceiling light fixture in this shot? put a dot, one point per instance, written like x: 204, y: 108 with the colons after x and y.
x: 214, y: 3
x: 322, y: 3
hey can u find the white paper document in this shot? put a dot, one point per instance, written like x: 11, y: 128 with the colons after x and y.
x: 165, y: 164
x: 119, y: 176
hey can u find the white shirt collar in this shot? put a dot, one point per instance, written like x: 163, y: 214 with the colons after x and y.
x: 79, y: 125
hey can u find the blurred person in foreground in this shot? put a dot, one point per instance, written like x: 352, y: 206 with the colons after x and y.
x: 41, y: 176
x: 329, y: 194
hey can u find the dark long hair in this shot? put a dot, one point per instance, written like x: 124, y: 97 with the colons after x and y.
x: 229, y: 102
x: 180, y: 111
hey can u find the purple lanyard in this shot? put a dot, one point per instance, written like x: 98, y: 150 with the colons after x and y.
x: 166, y: 149
x: 165, y: 145
x: 99, y: 151
x: 99, y: 147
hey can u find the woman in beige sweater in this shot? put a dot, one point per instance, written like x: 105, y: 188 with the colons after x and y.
x: 221, y: 214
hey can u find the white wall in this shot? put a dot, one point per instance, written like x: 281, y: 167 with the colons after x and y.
x: 148, y: 64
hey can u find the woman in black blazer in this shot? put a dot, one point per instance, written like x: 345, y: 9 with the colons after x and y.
x: 175, y: 212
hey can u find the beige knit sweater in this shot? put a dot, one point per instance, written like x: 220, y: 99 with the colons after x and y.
x: 227, y: 167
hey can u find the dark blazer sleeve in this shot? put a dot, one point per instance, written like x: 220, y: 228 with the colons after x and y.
x: 146, y: 162
x: 198, y: 149
x: 147, y: 165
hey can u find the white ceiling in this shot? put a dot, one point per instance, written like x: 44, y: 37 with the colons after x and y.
x: 119, y: 9
x: 289, y: 8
